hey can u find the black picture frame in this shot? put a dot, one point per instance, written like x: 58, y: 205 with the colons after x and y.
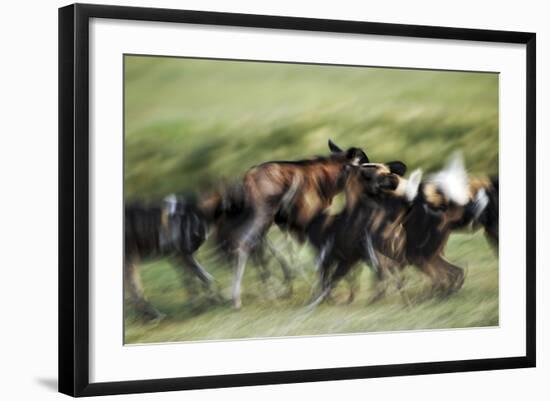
x: 74, y: 198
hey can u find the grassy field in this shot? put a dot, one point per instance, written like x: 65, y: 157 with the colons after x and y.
x: 191, y: 124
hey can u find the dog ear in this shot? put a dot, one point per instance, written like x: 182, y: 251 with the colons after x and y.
x: 333, y: 147
x: 356, y: 156
x: 397, y: 167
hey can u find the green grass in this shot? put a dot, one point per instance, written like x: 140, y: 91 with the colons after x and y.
x: 266, y: 315
x: 191, y: 124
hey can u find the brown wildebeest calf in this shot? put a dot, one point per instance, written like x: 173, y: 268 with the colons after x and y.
x: 288, y: 193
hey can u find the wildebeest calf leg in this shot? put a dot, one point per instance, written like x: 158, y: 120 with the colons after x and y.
x: 249, y: 242
x: 287, y: 274
x: 242, y: 257
x: 133, y: 284
x: 262, y: 264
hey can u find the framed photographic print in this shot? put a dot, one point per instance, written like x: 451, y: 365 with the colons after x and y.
x: 250, y: 199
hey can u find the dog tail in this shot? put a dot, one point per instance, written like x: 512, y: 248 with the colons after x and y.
x: 489, y: 218
x: 452, y: 181
x: 483, y: 208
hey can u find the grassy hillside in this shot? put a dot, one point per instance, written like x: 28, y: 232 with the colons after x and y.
x: 190, y: 124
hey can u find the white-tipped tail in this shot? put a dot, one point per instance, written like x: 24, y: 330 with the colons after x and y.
x: 170, y: 201
x: 453, y: 180
x: 480, y: 203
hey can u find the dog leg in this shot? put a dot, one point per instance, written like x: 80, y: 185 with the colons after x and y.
x: 396, y: 272
x: 322, y: 267
x: 400, y: 288
x: 380, y: 290
x: 380, y: 264
x: 329, y: 282
x: 324, y: 286
x: 454, y: 273
x: 132, y: 280
x: 194, y: 266
x: 188, y: 262
x: 353, y: 282
x: 342, y: 270
x: 434, y: 273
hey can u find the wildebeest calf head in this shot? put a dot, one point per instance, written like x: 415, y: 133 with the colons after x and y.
x: 355, y: 156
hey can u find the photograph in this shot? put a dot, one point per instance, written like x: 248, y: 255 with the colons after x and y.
x: 266, y: 199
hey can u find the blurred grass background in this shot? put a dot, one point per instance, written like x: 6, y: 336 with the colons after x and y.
x: 191, y: 124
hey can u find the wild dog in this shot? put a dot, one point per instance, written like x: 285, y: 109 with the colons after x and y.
x: 409, y: 225
x: 376, y: 197
x: 448, y: 201
x: 289, y: 193
x: 176, y: 228
x: 489, y: 217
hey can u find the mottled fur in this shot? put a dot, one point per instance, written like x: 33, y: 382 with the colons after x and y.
x: 388, y: 231
x: 288, y: 193
x: 360, y: 230
x: 176, y: 229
